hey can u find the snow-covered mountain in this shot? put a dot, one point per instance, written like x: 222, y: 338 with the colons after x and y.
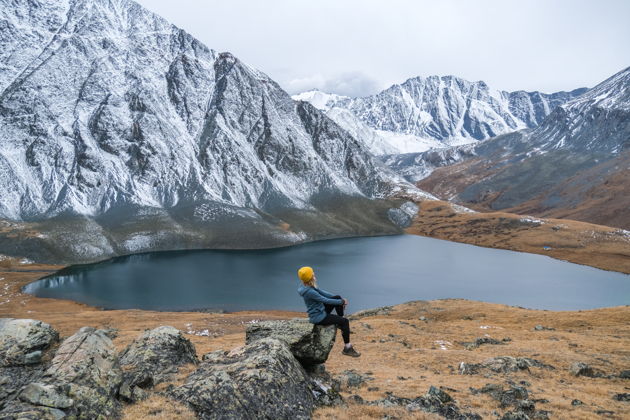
x: 559, y: 165
x: 105, y: 105
x: 440, y: 111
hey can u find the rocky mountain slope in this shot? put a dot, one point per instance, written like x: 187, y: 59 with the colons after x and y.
x: 572, y: 165
x: 438, y: 111
x: 110, y: 115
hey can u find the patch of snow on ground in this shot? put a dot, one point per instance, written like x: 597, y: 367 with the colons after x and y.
x: 26, y: 261
x: 444, y: 345
x: 532, y: 220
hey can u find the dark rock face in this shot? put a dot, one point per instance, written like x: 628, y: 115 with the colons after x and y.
x: 310, y: 344
x: 22, y: 341
x: 259, y: 380
x: 501, y: 364
x: 622, y: 397
x: 154, y: 357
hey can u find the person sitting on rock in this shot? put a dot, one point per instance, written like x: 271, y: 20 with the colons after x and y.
x: 319, y: 305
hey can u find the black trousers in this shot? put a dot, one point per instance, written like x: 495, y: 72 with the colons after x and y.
x: 338, y: 320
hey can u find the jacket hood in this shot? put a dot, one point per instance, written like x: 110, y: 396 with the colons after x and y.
x: 302, y: 289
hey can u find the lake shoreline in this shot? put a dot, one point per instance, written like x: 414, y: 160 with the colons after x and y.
x: 406, y: 348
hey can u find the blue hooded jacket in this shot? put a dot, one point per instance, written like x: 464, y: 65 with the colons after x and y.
x: 315, y: 299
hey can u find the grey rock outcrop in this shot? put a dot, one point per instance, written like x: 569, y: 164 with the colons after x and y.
x: 583, y: 369
x: 310, y: 344
x: 502, y: 364
x: 434, y: 401
x: 23, y: 344
x: 260, y: 380
x: 22, y: 341
x: 154, y: 357
x: 87, y: 363
x: 81, y: 382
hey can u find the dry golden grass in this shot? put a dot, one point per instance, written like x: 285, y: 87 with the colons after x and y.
x: 578, y: 242
x: 157, y: 407
x: 354, y: 411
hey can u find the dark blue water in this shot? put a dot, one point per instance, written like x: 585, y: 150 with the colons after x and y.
x: 370, y: 272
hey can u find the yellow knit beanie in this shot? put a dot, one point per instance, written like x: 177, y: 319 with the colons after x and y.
x: 305, y: 274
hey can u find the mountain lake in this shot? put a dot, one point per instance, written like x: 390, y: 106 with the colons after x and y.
x: 368, y: 271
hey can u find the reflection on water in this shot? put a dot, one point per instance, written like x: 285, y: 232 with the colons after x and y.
x: 370, y: 272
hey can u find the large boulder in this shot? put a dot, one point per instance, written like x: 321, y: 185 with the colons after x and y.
x: 153, y: 358
x: 81, y: 382
x: 260, y: 380
x: 310, y: 344
x: 86, y: 366
x: 23, y: 340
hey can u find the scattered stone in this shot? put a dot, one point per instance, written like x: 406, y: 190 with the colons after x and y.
x: 583, y: 369
x: 434, y: 401
x: 356, y: 399
x: 576, y: 402
x: 515, y: 415
x: 423, y: 318
x: 624, y: 374
x: 22, y: 340
x: 259, y: 380
x: 439, y: 394
x: 543, y: 328
x: 154, y: 357
x: 373, y: 388
x: 506, y: 397
x: 502, y: 364
x: 484, y: 340
x: 383, y: 310
x: 352, y: 379
x: 622, y: 397
x: 604, y: 412
x: 310, y: 344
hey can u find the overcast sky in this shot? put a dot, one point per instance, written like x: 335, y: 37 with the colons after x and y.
x: 358, y: 47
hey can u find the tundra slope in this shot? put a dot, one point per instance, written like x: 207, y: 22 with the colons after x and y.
x: 435, y: 112
x: 573, y: 164
x: 121, y: 133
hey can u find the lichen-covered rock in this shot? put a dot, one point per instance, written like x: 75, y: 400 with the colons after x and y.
x: 47, y: 395
x: 502, y: 364
x: 22, y: 346
x: 310, y: 344
x: 434, y: 401
x: 88, y: 364
x: 260, y: 380
x: 154, y: 356
x: 583, y: 369
x: 22, y: 341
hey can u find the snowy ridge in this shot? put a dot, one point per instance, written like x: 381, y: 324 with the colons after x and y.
x: 105, y: 104
x: 436, y: 111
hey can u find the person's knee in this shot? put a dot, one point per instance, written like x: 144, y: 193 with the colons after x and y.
x: 345, y: 322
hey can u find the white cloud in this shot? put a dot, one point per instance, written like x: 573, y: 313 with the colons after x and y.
x: 351, y: 84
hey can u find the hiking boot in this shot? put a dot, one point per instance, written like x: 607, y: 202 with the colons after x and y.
x: 350, y: 352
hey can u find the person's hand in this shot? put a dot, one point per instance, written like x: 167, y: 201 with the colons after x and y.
x: 345, y: 302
